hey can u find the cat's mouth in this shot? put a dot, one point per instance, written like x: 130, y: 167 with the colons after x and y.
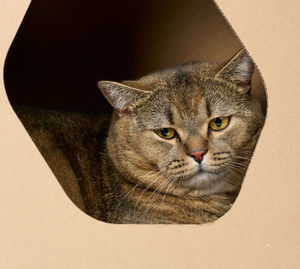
x: 199, y: 176
x: 204, y: 169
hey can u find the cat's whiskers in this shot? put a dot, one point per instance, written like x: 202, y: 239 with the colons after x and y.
x: 238, y: 155
x: 238, y: 164
x: 169, y: 180
x: 157, y: 191
x: 232, y: 168
x: 242, y: 151
x: 171, y: 184
x: 159, y: 176
x: 140, y: 182
x: 229, y: 170
x: 135, y: 186
x: 241, y: 159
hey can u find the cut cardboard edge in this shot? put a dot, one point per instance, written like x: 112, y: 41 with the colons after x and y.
x: 253, y: 232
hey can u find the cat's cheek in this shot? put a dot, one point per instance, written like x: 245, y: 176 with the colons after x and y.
x: 152, y: 148
x: 232, y: 136
x: 239, y: 135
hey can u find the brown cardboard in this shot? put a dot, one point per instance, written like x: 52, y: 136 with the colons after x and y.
x: 41, y: 228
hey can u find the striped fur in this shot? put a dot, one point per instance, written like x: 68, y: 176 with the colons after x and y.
x: 118, y: 170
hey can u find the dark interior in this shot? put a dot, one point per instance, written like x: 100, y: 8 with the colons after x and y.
x: 63, y: 48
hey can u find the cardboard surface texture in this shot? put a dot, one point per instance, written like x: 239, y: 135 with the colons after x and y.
x: 41, y: 228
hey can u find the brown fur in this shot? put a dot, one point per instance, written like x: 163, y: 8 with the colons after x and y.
x: 137, y: 176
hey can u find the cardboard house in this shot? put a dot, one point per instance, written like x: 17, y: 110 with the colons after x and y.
x: 54, y: 52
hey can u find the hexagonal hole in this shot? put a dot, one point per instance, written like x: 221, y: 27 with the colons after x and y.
x: 168, y: 159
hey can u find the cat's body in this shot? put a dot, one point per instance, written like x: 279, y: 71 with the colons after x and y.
x: 160, y: 160
x: 69, y: 142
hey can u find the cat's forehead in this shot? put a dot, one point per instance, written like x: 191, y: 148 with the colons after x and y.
x: 188, y: 101
x: 185, y: 94
x: 190, y: 106
x: 174, y: 106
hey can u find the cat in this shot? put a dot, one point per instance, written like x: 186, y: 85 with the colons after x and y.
x: 175, y: 150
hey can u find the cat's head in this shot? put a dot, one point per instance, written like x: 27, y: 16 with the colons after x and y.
x: 193, y: 125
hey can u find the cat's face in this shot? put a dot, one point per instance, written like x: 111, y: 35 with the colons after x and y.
x: 188, y: 128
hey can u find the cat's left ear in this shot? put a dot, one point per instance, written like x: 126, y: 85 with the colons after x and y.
x: 121, y: 96
x: 239, y: 70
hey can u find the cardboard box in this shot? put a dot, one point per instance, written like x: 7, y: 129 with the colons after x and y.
x: 41, y: 228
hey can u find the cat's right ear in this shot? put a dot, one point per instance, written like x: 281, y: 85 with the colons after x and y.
x: 121, y: 96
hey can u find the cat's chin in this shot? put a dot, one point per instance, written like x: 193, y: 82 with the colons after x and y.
x: 201, y: 180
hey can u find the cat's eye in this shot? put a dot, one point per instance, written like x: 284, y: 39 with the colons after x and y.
x: 219, y: 124
x: 167, y: 133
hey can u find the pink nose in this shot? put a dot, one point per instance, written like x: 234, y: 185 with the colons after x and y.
x: 198, y: 155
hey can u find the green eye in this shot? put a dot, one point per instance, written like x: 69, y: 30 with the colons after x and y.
x: 167, y: 133
x: 219, y: 124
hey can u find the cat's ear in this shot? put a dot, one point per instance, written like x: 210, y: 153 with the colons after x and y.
x: 238, y: 70
x: 121, y: 96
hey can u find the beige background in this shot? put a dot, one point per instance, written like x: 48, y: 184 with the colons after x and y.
x: 41, y: 228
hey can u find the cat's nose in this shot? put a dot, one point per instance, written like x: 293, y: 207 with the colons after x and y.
x: 198, y: 154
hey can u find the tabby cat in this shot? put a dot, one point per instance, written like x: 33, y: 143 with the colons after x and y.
x: 175, y: 150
